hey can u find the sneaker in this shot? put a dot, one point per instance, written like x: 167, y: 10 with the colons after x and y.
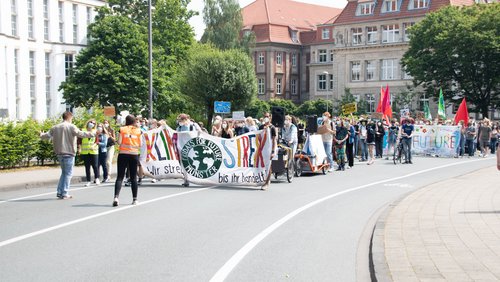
x: 134, y: 202
x: 97, y: 181
x: 185, y: 184
x: 115, y: 202
x: 108, y: 179
x: 330, y: 170
x: 87, y: 184
x: 410, y: 162
x: 66, y: 197
x: 153, y: 180
x: 264, y: 187
x: 128, y: 183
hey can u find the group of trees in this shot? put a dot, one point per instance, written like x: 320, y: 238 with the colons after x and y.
x: 454, y: 48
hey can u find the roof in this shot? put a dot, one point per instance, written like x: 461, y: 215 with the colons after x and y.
x: 273, y: 20
x: 348, y: 15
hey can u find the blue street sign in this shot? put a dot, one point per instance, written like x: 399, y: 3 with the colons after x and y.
x: 221, y: 107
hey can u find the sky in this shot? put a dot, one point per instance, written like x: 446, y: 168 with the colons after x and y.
x: 197, y: 5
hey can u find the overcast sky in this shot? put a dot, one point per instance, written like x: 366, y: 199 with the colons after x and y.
x: 197, y: 5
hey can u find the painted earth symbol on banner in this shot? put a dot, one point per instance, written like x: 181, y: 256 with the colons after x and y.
x: 201, y: 158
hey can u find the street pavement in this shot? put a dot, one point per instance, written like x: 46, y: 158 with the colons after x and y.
x: 317, y: 228
x: 447, y: 231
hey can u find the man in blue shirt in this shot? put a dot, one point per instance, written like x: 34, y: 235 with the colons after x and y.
x: 406, y: 133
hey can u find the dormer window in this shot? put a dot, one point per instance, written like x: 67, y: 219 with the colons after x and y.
x: 325, y: 33
x: 365, y: 8
x: 390, y: 6
x: 295, y: 38
x: 418, y: 4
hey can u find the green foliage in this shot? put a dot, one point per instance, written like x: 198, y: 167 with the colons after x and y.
x: 11, y: 145
x: 458, y: 49
x: 257, y: 108
x: 314, y: 107
x: 214, y: 75
x: 348, y: 98
x: 224, y: 23
x: 404, y: 99
x: 290, y: 107
x: 112, y: 70
x: 45, y: 148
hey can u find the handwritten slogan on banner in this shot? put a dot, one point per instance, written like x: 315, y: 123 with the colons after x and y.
x: 436, y: 140
x: 158, y: 155
x: 243, y: 160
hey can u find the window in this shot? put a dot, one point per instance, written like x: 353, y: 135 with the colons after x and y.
x: 294, y: 36
x: 45, y: 19
x: 322, y: 55
x: 390, y: 6
x: 355, y: 70
x: 357, y: 35
x: 13, y: 17
x: 371, y: 35
x: 278, y: 86
x: 293, y: 87
x: 16, y: 70
x: 370, y: 103
x: 322, y: 82
x: 75, y: 23
x: 261, y: 86
x: 294, y: 60
x: 406, y: 26
x: 279, y: 59
x: 330, y: 84
x: 331, y: 55
x: 32, y: 87
x: 370, y: 70
x: 31, y: 34
x: 89, y: 15
x: 47, y: 64
x: 32, y: 62
x: 406, y: 75
x: 68, y: 64
x: 389, y: 69
x: 340, y: 39
x: 390, y: 33
x: 61, y: 21
x: 325, y: 33
x: 418, y: 4
x: 47, y: 95
x: 365, y: 9
x: 261, y: 58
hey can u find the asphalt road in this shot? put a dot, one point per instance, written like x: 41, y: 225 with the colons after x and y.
x: 311, y: 230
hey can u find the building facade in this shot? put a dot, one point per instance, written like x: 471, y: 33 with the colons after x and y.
x: 39, y: 41
x: 282, y: 28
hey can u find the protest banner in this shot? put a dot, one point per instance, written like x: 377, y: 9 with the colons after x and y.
x: 405, y: 113
x: 109, y: 111
x: 158, y: 154
x: 239, y: 115
x: 436, y: 140
x: 241, y: 161
x: 378, y: 116
x: 349, y: 108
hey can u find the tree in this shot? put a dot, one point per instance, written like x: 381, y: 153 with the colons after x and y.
x: 290, y: 107
x: 404, y: 99
x: 224, y: 23
x: 257, y: 108
x: 213, y: 75
x: 314, y: 107
x: 348, y: 98
x: 112, y: 70
x: 457, y: 48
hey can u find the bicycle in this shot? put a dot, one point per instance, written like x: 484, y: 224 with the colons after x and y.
x: 399, y: 152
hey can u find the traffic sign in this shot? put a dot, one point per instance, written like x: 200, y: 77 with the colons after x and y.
x: 221, y: 107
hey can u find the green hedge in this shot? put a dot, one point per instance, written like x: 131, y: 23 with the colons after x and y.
x: 20, y: 142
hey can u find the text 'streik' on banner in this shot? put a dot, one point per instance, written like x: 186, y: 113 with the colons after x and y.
x: 240, y: 161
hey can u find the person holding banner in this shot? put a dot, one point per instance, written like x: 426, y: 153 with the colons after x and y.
x: 266, y: 123
x: 250, y: 124
x: 185, y: 124
x: 128, y: 157
x: 406, y: 133
x: 64, y: 137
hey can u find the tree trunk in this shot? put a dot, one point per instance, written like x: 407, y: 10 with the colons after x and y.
x: 210, y: 114
x: 485, y: 110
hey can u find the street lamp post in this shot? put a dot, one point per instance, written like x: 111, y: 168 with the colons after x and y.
x: 327, y: 92
x: 150, y: 47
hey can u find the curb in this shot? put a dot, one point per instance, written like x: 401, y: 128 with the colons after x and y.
x: 44, y: 184
x: 379, y: 270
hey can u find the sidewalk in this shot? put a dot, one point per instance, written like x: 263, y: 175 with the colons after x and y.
x: 448, y: 231
x: 36, y: 178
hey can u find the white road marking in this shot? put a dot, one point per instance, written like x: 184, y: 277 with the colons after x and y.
x: 224, y: 271
x: 114, y: 210
x: 54, y: 193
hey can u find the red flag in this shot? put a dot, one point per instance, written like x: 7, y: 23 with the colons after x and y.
x: 462, y: 113
x: 381, y: 102
x: 387, y: 105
